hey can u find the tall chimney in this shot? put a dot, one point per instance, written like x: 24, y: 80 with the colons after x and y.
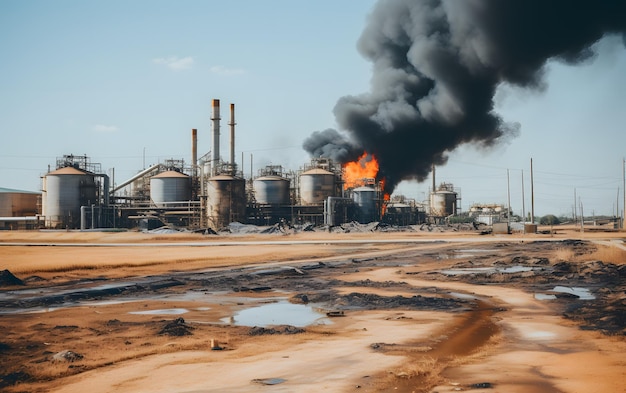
x: 232, y: 136
x: 194, y: 152
x: 216, y: 137
x: 434, y: 185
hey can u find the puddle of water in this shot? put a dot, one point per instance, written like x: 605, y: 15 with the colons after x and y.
x: 61, y: 290
x: 165, y: 311
x: 463, y: 295
x: 474, y: 270
x: 539, y: 335
x: 459, y: 272
x: 582, y: 293
x: 544, y: 296
x: 515, y: 269
x: 460, y: 254
x: 280, y: 313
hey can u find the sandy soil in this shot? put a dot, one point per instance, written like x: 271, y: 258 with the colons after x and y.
x: 406, y: 326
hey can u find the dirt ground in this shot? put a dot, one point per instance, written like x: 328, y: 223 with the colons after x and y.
x: 369, y: 312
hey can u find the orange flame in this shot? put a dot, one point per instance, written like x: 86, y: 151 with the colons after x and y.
x: 355, y: 172
x: 358, y: 173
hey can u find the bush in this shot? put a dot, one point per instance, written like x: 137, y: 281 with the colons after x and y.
x: 462, y: 219
x: 549, y: 219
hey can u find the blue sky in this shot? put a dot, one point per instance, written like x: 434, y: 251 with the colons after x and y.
x: 114, y: 79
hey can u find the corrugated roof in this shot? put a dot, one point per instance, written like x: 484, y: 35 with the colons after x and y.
x: 14, y: 191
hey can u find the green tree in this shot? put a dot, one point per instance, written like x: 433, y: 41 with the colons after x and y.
x: 549, y: 219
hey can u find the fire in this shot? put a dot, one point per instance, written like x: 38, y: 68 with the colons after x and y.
x: 356, y: 173
x: 386, y: 198
x: 364, y: 171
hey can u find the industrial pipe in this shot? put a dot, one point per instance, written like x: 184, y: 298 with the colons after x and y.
x: 137, y: 176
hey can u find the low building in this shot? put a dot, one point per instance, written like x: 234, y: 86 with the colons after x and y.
x: 19, y: 209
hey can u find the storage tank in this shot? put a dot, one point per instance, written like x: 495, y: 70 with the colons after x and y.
x: 365, y: 199
x: 443, y: 203
x: 271, y: 189
x: 316, y: 185
x: 65, y: 191
x: 170, y: 186
x: 17, y: 203
x: 226, y: 200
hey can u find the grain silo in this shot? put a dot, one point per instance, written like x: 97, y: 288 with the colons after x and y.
x: 65, y: 191
x: 226, y: 200
x: 366, y: 202
x: 316, y: 185
x: 170, y: 186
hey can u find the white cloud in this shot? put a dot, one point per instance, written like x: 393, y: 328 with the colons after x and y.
x: 221, y: 70
x: 104, y: 128
x: 174, y: 63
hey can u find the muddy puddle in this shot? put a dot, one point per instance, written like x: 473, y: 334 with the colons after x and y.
x: 279, y: 313
x: 165, y: 311
x: 487, y: 270
x: 462, y: 254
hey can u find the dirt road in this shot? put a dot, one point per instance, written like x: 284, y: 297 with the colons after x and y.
x: 409, y: 313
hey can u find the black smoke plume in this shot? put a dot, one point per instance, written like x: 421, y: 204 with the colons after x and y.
x: 437, y: 65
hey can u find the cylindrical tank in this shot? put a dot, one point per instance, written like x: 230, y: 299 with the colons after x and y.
x: 16, y: 203
x: 443, y: 203
x: 398, y: 208
x: 365, y: 199
x: 271, y: 189
x: 66, y: 190
x: 316, y: 185
x: 226, y: 200
x: 170, y: 186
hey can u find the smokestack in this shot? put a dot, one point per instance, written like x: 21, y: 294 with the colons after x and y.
x: 232, y: 136
x: 215, y: 159
x: 436, y: 67
x: 194, y: 152
x: 433, y: 190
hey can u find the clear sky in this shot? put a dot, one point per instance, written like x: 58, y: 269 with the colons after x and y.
x: 126, y: 81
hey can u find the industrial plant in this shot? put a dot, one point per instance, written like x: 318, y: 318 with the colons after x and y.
x: 210, y: 193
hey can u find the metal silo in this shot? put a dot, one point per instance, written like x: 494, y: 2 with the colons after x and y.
x: 316, y: 185
x: 443, y: 203
x: 170, y: 186
x: 226, y: 200
x: 365, y: 199
x: 17, y: 203
x: 271, y: 189
x: 66, y: 190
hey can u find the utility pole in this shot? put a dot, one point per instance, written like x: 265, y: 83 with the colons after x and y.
x: 617, y: 206
x: 508, y: 195
x: 575, y: 208
x: 582, y: 218
x: 532, y: 194
x: 624, y: 188
x: 523, y: 204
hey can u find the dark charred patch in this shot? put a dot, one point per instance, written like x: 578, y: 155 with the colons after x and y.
x: 282, y: 329
x: 176, y: 328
